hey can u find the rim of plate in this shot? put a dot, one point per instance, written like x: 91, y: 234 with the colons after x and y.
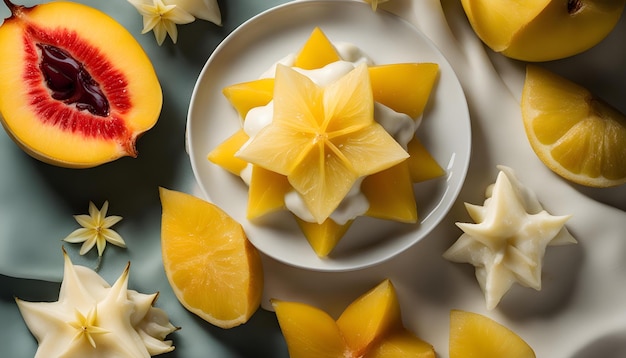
x: 255, y: 46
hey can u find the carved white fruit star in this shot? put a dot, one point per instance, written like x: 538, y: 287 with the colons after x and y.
x: 508, y: 241
x: 93, y: 319
x: 162, y: 16
x: 96, y: 230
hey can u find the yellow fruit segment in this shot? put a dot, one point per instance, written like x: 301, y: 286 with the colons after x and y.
x: 247, y: 95
x: 309, y: 331
x: 370, y: 317
x: 317, y: 52
x: 404, y: 87
x: 224, y: 154
x: 266, y: 193
x: 211, y: 266
x: 473, y: 335
x: 323, y: 237
x: 422, y: 165
x: 574, y: 133
x: 371, y: 326
x: 400, y: 344
x: 390, y: 194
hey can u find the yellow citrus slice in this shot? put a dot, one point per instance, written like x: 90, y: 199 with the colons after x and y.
x: 577, y: 135
x: 473, y: 335
x: 211, y: 266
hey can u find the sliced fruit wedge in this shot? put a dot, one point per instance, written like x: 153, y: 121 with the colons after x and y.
x: 323, y: 237
x: 390, y: 194
x: 77, y: 89
x: 473, y: 335
x: 317, y: 52
x: 404, y: 87
x: 574, y: 133
x: 247, y: 95
x: 371, y: 326
x: 224, y: 154
x: 211, y: 266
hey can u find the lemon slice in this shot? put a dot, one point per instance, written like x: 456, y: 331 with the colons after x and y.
x: 211, y: 266
x: 577, y: 135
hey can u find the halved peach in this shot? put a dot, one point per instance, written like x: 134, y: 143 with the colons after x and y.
x: 77, y: 89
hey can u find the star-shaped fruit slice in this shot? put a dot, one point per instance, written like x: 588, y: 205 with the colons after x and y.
x: 508, y: 241
x: 323, y: 138
x: 92, y: 318
x: 371, y: 326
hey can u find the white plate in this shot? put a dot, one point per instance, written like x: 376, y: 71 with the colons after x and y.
x: 251, y: 49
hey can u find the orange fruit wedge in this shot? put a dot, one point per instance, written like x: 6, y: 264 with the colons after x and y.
x: 211, y: 266
x: 317, y: 52
x: 473, y: 335
x: 370, y: 327
x: 574, y: 133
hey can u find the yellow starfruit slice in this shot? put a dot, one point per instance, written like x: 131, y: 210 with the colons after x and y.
x: 323, y: 138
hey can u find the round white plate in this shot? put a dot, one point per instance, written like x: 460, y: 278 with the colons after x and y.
x: 253, y: 48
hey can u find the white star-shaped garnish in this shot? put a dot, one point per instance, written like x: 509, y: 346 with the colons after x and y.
x: 87, y: 326
x: 119, y: 322
x: 508, y: 241
x: 161, y: 18
x: 96, y: 230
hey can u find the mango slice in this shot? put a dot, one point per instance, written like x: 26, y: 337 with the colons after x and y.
x: 317, y: 52
x: 266, y: 193
x: 390, y: 194
x: 404, y: 87
x: 371, y: 326
x: 422, y: 165
x: 224, y: 154
x: 247, y: 95
x: 323, y: 237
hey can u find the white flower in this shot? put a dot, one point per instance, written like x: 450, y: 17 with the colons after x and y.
x: 162, y: 16
x: 96, y: 230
